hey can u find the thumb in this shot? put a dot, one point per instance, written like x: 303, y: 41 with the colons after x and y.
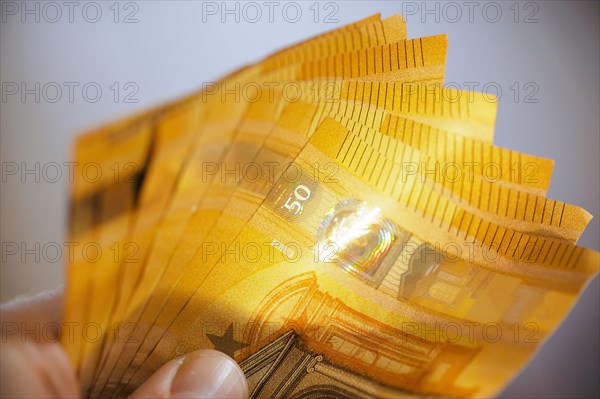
x: 200, y: 374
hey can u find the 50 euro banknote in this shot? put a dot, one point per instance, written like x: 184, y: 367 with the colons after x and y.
x: 357, y: 267
x: 347, y: 278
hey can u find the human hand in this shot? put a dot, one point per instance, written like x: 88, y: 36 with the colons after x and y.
x: 39, y: 368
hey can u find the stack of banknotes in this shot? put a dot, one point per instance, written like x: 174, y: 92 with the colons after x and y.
x: 332, y: 218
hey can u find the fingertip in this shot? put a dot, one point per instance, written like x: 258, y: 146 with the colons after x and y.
x: 28, y: 312
x: 209, y: 373
x: 199, y: 374
x: 36, y: 370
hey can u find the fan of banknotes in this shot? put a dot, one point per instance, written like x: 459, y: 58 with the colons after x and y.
x: 332, y: 218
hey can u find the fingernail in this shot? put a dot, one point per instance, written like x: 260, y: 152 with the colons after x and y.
x: 209, y: 374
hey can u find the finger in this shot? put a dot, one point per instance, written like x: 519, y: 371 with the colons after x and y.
x: 200, y: 374
x: 27, y: 316
x: 36, y: 371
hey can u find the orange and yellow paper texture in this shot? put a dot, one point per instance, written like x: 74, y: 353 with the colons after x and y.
x: 332, y: 218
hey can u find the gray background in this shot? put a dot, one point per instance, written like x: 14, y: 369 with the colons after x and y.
x: 170, y: 51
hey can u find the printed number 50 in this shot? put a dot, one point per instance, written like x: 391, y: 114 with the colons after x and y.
x: 294, y: 203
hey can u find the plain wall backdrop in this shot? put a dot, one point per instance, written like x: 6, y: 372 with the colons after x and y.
x: 543, y: 56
